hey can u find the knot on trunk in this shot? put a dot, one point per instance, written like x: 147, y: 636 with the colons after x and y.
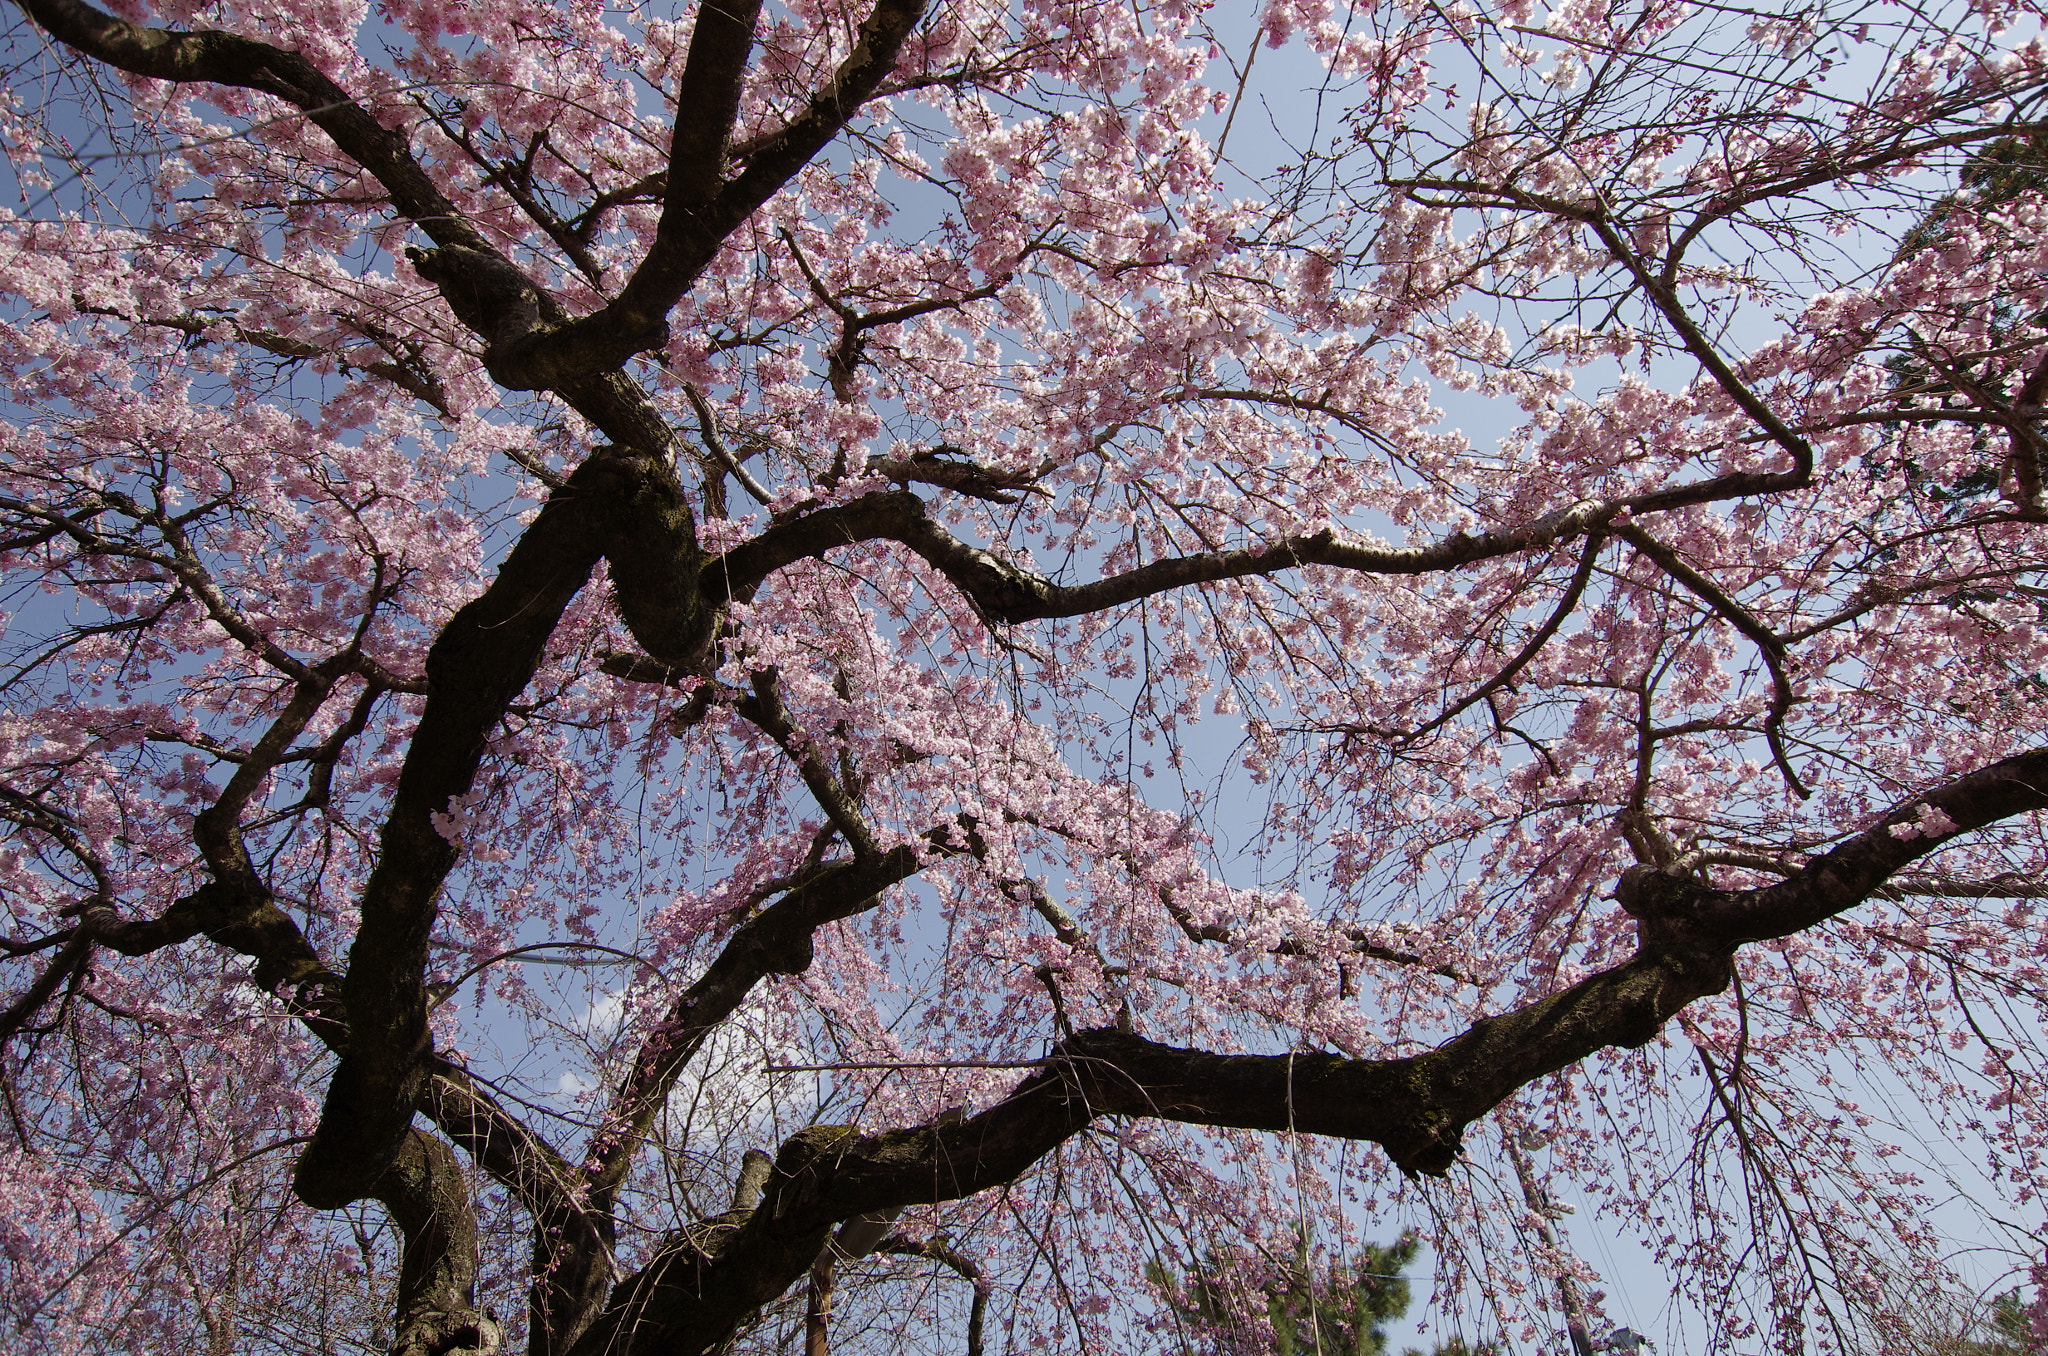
x: 432, y: 1333
x: 806, y: 1159
x: 487, y: 292
x: 654, y: 557
x: 1652, y: 893
x: 1666, y: 908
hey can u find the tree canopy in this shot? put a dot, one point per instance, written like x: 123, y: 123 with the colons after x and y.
x: 679, y: 678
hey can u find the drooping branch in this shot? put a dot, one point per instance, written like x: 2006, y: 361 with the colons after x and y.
x: 1849, y: 873
x: 1356, y: 941
x: 410, y: 377
x: 1768, y: 643
x: 1659, y: 288
x: 960, y: 1264
x: 486, y: 290
x: 250, y: 924
x: 572, y: 1241
x: 243, y: 920
x: 218, y: 828
x: 180, y: 560
x: 1566, y: 604
x: 68, y: 962
x: 221, y: 58
x: 767, y: 710
x: 692, y: 1296
x: 714, y: 443
x: 854, y: 1239
x: 288, y: 966
x: 847, y: 354
x: 1663, y: 295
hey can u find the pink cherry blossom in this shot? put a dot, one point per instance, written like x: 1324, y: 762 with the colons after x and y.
x: 680, y: 676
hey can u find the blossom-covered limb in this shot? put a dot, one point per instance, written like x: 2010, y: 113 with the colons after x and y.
x: 1007, y: 593
x: 406, y: 372
x: 854, y: 324
x: 704, y: 1284
x: 1567, y: 602
x: 1660, y: 287
x: 767, y: 710
x: 1848, y: 873
x: 2027, y: 455
x: 1416, y: 1107
x: 696, y: 222
x: 775, y: 941
x: 478, y: 666
x: 1768, y: 643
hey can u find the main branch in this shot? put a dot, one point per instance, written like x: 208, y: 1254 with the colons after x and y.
x: 713, y: 1275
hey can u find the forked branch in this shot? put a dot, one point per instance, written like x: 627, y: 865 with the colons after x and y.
x: 698, y: 215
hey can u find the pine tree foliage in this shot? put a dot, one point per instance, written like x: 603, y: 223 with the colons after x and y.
x: 1297, y: 1307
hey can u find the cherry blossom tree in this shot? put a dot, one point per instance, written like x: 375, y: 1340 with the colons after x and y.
x: 678, y: 677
